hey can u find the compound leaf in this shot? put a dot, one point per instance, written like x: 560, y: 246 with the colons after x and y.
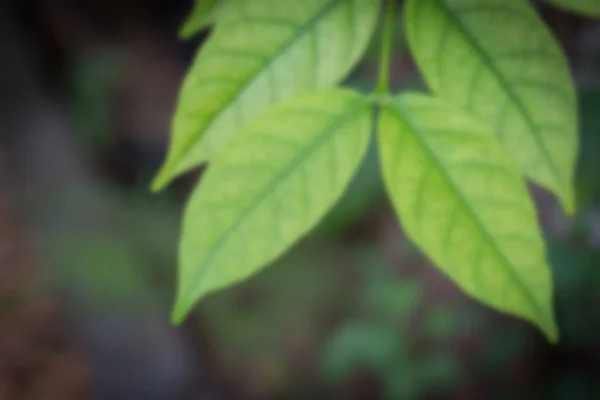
x: 265, y: 51
x: 464, y: 203
x: 497, y: 59
x: 590, y: 8
x: 271, y: 184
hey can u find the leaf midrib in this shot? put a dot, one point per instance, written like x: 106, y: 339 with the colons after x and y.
x: 250, y: 78
x: 404, y: 116
x: 328, y: 133
x: 505, y: 84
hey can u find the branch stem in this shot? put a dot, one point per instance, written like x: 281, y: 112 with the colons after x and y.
x: 383, y: 87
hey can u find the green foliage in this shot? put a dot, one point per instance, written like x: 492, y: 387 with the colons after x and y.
x: 386, y: 339
x: 93, y: 84
x: 590, y: 8
x: 359, y: 344
x: 264, y: 52
x: 258, y: 105
x: 498, y: 60
x: 588, y: 184
x: 272, y: 184
x: 463, y: 202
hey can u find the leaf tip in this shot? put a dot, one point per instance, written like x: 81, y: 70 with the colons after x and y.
x: 552, y: 335
x: 179, y: 312
x: 550, y: 330
x: 190, y: 29
x: 568, y: 204
x: 184, y: 33
x: 160, y: 181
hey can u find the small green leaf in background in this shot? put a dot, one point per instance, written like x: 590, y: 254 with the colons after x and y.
x: 588, y: 184
x: 498, y: 60
x: 94, y: 79
x: 589, y: 8
x: 392, y: 299
x: 461, y: 200
x: 444, y: 322
x: 264, y: 52
x: 271, y: 185
x: 438, y: 370
x: 359, y: 345
x: 203, y: 15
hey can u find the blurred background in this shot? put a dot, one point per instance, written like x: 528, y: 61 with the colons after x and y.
x: 354, y: 311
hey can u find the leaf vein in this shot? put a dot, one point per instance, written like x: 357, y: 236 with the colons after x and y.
x: 504, y: 261
x: 503, y: 82
x: 296, y: 163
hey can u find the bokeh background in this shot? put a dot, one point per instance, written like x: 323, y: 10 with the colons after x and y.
x: 354, y: 311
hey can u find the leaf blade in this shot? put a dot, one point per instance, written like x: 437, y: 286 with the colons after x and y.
x: 498, y: 60
x: 264, y: 52
x: 272, y: 184
x: 462, y: 201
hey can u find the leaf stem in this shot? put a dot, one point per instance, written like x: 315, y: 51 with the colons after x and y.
x: 386, y: 49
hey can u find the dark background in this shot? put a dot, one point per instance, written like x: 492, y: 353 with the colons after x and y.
x: 88, y: 255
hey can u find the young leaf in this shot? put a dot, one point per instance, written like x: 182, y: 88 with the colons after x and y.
x: 272, y: 184
x: 203, y: 15
x: 463, y: 202
x: 498, y: 60
x: 589, y: 8
x: 265, y: 51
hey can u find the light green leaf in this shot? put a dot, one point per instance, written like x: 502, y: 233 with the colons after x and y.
x: 265, y: 51
x: 590, y: 8
x: 271, y: 185
x: 463, y: 202
x: 498, y: 60
x: 203, y: 15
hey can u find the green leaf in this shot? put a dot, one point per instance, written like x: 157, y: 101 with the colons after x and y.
x: 264, y: 52
x: 438, y: 370
x: 203, y: 15
x: 590, y: 8
x: 498, y: 60
x: 463, y: 202
x: 271, y: 185
x: 359, y: 345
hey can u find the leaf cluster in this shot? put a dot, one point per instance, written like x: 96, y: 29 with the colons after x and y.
x: 262, y: 105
